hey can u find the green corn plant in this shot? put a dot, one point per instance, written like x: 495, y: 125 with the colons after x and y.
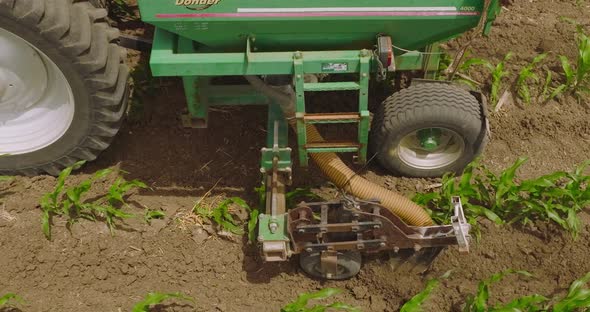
x: 119, y: 10
x: 108, y: 206
x: 10, y: 299
x: 577, y: 80
x: 51, y: 202
x: 526, y: 74
x: 577, y: 299
x: 498, y: 73
x: 547, y: 87
x: 222, y: 216
x: 556, y: 197
x: 150, y: 215
x: 415, y: 304
x: 479, y: 302
x: 157, y: 298
x: 461, y: 74
x: 302, y: 302
x: 70, y: 202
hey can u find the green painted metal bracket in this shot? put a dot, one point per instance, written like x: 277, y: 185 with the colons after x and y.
x: 431, y: 61
x: 197, y: 106
x: 276, y: 142
x: 166, y: 60
x: 363, y: 129
x: 300, y: 108
x: 264, y: 229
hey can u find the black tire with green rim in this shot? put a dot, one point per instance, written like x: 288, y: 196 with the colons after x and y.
x: 427, y: 130
x: 74, y: 41
x: 349, y: 265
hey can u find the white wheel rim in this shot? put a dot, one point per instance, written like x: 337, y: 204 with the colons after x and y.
x: 36, y: 100
x: 449, y: 150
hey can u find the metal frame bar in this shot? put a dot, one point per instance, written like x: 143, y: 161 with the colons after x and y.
x: 168, y: 60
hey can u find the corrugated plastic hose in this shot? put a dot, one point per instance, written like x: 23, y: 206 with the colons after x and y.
x: 341, y: 175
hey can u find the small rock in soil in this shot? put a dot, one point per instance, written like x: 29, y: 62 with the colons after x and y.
x: 101, y: 273
x: 199, y: 235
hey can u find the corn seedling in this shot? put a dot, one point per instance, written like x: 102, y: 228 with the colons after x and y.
x: 557, y: 197
x: 547, y: 87
x: 577, y: 80
x: 10, y: 299
x: 157, y: 298
x: 461, y: 75
x: 302, y: 302
x: 527, y: 74
x: 498, y: 73
x: 479, y: 302
x: 119, y: 10
x: 221, y: 214
x: 150, y: 215
x: 70, y: 202
x: 415, y: 304
x: 577, y: 299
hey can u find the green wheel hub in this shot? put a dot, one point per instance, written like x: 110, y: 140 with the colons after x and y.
x: 429, y: 138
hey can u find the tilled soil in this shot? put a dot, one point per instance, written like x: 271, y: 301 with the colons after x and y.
x: 90, y: 270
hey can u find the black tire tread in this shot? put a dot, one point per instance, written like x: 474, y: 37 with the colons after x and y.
x: 422, y: 100
x: 81, y: 32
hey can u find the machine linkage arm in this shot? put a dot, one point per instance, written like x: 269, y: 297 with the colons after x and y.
x: 368, y: 227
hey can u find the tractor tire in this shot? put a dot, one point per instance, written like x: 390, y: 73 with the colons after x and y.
x: 73, y: 105
x: 349, y: 265
x: 428, y: 129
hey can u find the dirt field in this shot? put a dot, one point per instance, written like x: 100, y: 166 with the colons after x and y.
x: 88, y: 270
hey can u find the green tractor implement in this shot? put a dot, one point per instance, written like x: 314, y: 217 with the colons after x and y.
x: 283, y: 51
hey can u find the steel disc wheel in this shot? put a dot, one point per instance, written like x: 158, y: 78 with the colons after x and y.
x: 348, y: 265
x: 448, y: 150
x: 36, y: 100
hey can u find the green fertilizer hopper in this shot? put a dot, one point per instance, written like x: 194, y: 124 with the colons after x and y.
x: 273, y: 53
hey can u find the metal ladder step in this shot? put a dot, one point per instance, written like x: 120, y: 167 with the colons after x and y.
x: 332, y: 118
x: 332, y: 147
x: 331, y: 86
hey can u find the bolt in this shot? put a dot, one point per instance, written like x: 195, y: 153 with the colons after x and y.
x: 298, y: 76
x: 396, y: 249
x: 417, y: 247
x: 261, y: 216
x: 308, y: 249
x: 376, y: 226
x: 382, y: 245
x: 261, y: 238
x: 273, y: 227
x: 364, y: 75
x: 301, y: 231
